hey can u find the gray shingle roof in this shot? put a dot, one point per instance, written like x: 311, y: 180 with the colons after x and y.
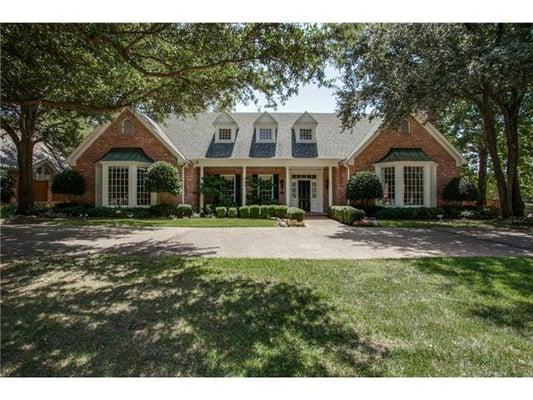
x: 41, y: 153
x: 195, y: 137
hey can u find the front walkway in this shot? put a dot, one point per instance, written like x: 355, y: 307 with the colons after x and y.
x: 321, y: 239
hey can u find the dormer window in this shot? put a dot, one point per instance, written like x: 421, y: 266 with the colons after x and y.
x: 306, y: 135
x: 264, y: 135
x: 127, y: 126
x: 224, y: 134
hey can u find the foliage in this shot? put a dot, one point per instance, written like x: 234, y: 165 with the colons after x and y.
x: 7, y: 210
x: 255, y: 211
x: 221, y: 212
x: 69, y: 182
x: 364, y: 185
x: 184, y: 211
x: 268, y: 211
x: 460, y: 189
x: 244, y: 212
x: 256, y: 186
x: 345, y: 214
x: 163, y: 177
x: 295, y: 213
x: 215, y: 189
x: 409, y: 213
x: 6, y: 185
x: 281, y: 211
x: 232, y: 212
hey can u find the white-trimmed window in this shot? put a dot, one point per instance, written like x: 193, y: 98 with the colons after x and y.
x: 224, y: 135
x: 266, y: 190
x: 143, y: 197
x: 264, y: 135
x: 231, y: 189
x: 413, y: 180
x: 118, y: 186
x: 43, y: 173
x: 306, y: 135
x: 127, y: 126
x: 388, y: 175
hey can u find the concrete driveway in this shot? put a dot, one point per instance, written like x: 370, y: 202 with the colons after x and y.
x: 320, y: 239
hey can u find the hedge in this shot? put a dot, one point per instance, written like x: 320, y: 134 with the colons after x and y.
x: 232, y: 212
x: 221, y: 212
x: 255, y: 211
x: 409, y: 213
x: 280, y: 211
x: 244, y: 212
x: 268, y: 211
x: 345, y: 214
x: 295, y: 213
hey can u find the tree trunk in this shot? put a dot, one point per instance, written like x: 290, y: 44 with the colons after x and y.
x: 489, y: 136
x: 25, y: 160
x: 510, y: 119
x: 482, y: 174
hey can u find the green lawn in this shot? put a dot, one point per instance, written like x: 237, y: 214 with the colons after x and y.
x: 135, y: 316
x: 165, y: 222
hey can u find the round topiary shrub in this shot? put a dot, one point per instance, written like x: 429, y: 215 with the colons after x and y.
x: 221, y: 212
x: 244, y: 212
x: 460, y: 189
x: 232, y: 212
x: 281, y: 211
x: 364, y: 185
x: 255, y: 211
x: 295, y: 213
x: 69, y: 182
x: 162, y: 177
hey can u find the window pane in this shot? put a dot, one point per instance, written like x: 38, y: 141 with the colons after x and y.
x: 306, y: 134
x: 230, y: 187
x: 143, y: 197
x: 224, y: 134
x: 265, y: 134
x: 414, y: 186
x: 266, y: 188
x: 118, y: 186
x: 127, y: 127
x: 389, y: 185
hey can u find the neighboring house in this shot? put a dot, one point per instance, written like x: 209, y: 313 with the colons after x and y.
x: 308, y: 157
x: 45, y: 167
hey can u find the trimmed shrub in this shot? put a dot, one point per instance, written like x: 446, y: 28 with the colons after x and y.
x: 69, y: 182
x: 255, y: 211
x: 7, y: 210
x: 232, y: 212
x: 409, y: 213
x: 364, y: 185
x: 164, y: 210
x: 162, y: 177
x: 281, y: 211
x: 295, y: 213
x: 221, y: 212
x: 268, y: 211
x: 345, y: 214
x: 244, y: 212
x: 184, y: 210
x: 7, y: 183
x: 460, y: 189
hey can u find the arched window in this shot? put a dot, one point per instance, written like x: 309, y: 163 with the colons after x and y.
x: 127, y: 127
x: 405, y: 126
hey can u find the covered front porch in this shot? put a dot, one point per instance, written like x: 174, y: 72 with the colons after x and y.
x: 306, y: 184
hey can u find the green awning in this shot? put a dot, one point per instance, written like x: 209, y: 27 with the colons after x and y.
x: 134, y: 154
x: 405, y: 154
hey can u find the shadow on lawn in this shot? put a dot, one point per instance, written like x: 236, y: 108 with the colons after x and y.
x: 170, y: 317
x: 501, y: 288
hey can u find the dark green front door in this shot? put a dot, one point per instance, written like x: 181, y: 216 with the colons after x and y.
x: 304, y: 195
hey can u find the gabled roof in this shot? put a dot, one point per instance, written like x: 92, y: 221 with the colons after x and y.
x: 42, y: 154
x: 405, y: 154
x: 306, y: 119
x: 224, y: 118
x: 266, y: 119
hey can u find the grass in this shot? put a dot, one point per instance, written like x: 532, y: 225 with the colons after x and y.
x: 452, y: 223
x: 133, y: 316
x: 165, y: 222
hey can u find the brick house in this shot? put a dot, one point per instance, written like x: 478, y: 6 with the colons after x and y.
x: 307, y: 157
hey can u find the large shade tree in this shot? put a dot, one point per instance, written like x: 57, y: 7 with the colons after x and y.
x: 395, y: 69
x: 53, y: 74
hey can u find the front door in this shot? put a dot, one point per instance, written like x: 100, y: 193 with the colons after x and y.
x: 304, y: 195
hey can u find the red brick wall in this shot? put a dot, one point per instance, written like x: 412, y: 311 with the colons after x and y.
x: 419, y: 137
x: 113, y: 137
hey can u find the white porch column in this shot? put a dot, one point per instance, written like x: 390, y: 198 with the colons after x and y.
x: 330, y: 186
x: 201, y: 194
x: 243, y: 183
x: 183, y: 184
x: 287, y: 186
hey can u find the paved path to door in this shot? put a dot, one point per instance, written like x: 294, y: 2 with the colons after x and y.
x: 320, y: 239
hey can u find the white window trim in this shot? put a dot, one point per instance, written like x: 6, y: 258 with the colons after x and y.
x: 122, y: 126
x: 298, y: 136
x: 233, y: 134
x: 430, y: 182
x: 272, y: 136
x: 234, y: 184
x: 132, y: 183
x: 268, y: 177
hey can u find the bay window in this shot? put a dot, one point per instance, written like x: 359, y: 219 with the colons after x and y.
x: 123, y: 185
x: 413, y: 180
